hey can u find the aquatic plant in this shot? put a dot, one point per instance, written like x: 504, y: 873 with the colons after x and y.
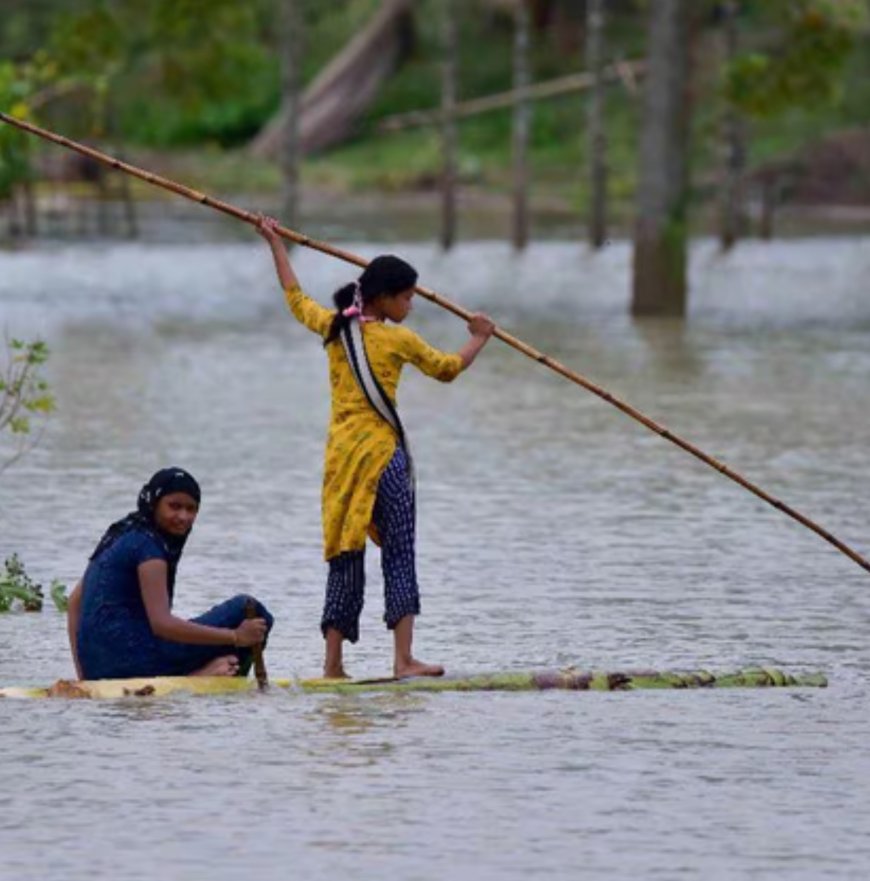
x: 17, y: 588
x: 25, y: 397
x: 57, y: 592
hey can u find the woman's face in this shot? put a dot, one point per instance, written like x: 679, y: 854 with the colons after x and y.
x: 396, y: 307
x: 175, y: 513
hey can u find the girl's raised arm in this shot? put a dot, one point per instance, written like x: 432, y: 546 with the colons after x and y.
x: 481, y: 328
x: 308, y: 312
x: 286, y: 275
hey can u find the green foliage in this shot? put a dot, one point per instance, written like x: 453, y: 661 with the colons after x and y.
x: 57, y: 592
x: 18, y: 590
x: 176, y: 72
x: 803, y: 69
x: 88, y: 43
x: 24, y: 392
x: 14, y: 164
x: 169, y: 70
x: 16, y: 587
x: 203, y: 76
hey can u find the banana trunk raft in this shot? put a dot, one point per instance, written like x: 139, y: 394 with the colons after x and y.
x: 565, y: 680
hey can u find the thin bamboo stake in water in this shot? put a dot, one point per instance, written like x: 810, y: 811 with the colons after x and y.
x: 257, y: 650
x: 519, y: 345
x: 449, y: 132
x: 596, y: 139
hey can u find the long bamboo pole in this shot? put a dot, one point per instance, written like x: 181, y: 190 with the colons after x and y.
x: 504, y: 336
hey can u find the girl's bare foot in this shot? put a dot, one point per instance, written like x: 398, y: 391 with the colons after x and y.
x: 228, y: 665
x: 413, y: 667
x: 333, y: 661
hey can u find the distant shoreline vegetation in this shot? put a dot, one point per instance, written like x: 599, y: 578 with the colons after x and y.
x: 210, y: 93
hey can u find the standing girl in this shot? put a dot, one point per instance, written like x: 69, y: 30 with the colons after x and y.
x: 368, y: 484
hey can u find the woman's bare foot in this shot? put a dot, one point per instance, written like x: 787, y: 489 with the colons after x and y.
x: 228, y: 665
x: 334, y: 672
x: 413, y: 667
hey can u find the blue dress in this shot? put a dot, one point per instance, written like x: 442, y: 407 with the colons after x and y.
x: 114, y: 636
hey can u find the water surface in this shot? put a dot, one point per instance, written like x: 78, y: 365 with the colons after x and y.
x: 553, y: 530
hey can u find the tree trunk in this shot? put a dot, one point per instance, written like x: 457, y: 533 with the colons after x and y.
x: 102, y: 188
x: 522, y: 115
x: 596, y: 140
x: 129, y: 204
x: 13, y: 225
x: 661, y: 233
x: 769, y: 204
x: 291, y: 96
x: 448, y: 124
x: 734, y: 146
x: 341, y: 93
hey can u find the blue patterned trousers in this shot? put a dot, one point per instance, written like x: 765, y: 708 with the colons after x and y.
x: 393, y: 516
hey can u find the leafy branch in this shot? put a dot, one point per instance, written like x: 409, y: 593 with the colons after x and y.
x: 804, y: 67
x: 16, y: 586
x: 25, y: 398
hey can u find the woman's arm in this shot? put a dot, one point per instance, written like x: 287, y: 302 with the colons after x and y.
x: 481, y: 329
x: 155, y: 596
x: 73, y: 615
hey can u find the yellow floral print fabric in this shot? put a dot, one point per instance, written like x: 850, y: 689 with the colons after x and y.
x: 360, y: 443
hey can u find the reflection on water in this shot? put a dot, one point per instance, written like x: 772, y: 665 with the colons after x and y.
x: 553, y: 530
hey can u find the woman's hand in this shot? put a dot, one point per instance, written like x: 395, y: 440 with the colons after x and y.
x: 252, y: 631
x: 481, y: 326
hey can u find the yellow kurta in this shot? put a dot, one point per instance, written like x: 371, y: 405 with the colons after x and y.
x: 360, y: 443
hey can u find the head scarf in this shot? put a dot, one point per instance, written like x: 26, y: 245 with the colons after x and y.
x: 164, y: 482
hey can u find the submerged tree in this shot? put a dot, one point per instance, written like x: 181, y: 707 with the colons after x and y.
x: 596, y: 139
x: 521, y: 125
x: 734, y: 143
x: 661, y: 230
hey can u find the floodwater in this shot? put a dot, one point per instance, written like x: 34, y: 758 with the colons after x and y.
x: 553, y: 531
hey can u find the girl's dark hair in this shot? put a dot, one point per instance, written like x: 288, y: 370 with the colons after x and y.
x: 385, y: 275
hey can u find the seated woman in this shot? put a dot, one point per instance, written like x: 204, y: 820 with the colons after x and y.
x: 120, y: 619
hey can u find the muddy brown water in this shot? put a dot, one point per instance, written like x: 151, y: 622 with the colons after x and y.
x: 553, y: 531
